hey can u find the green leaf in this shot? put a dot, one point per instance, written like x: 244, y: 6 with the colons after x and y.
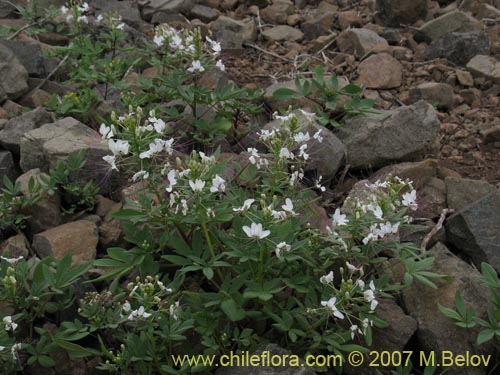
x: 208, y: 272
x: 128, y: 214
x: 284, y: 93
x: 485, y: 336
x: 46, y: 361
x: 232, y: 310
x: 351, y: 89
x: 450, y: 313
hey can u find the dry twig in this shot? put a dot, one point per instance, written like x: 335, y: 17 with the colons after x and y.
x: 437, y: 227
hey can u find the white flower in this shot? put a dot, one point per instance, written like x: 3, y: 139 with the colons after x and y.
x: 318, y: 185
x: 256, y: 231
x: 69, y: 18
x: 141, y: 174
x: 219, y: 64
x: 296, y: 176
x: 174, y: 310
x: 139, y: 313
x: 302, y: 137
x: 155, y: 147
x: 206, y: 159
x: 409, y: 200
x: 367, y: 322
x: 302, y: 152
x: 338, y: 219
x: 158, y: 40
x: 84, y: 7
x: 369, y: 238
x: 218, y: 184
x: 377, y: 211
x: 12, y: 260
x: 158, y: 124
x: 118, y: 147
x: 309, y: 115
x: 331, y: 305
x: 352, y: 268
x: 216, y: 47
x: 171, y: 180
x: 288, y: 117
x: 360, y: 283
x: 285, y: 153
x: 83, y: 19
x: 197, y: 185
x: 264, y: 135
x: 369, y: 295
x: 99, y: 18
x: 354, y: 328
x: 126, y: 307
x: 120, y: 26
x: 282, y: 246
x: 278, y: 215
x: 106, y: 131
x: 326, y: 279
x: 111, y: 160
x: 288, y: 206
x: 210, y: 212
x: 184, y: 207
x: 317, y: 136
x: 9, y: 324
x: 64, y: 9
x: 196, y: 66
x: 254, y: 155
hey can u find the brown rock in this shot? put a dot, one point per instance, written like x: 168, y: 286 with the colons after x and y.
x: 359, y: 41
x: 317, y: 23
x: 464, y: 78
x: 78, y: 238
x: 380, y: 71
x: 439, y: 94
x: 15, y: 246
x: 350, y: 18
x: 492, y: 134
x: 278, y: 12
x: 36, y: 98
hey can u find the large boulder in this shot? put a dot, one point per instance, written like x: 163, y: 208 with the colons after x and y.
x: 459, y: 48
x: 397, y: 12
x: 460, y: 192
x: 14, y: 129
x: 405, y: 134
x: 14, y: 75
x: 44, y: 147
x: 436, y: 332
x: 475, y: 230
x: 455, y: 21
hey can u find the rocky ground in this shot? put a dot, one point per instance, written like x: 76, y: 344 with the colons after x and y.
x: 432, y: 65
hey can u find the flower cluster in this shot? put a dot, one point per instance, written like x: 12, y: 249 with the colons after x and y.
x: 189, y: 45
x: 77, y: 11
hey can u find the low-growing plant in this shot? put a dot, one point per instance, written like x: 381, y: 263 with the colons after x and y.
x: 331, y: 101
x: 467, y: 317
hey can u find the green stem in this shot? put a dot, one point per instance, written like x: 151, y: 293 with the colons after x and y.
x: 210, y: 246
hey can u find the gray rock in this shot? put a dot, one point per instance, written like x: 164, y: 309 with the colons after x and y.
x: 7, y: 167
x: 46, y: 213
x: 274, y: 350
x: 29, y: 54
x: 44, y: 147
x: 397, y: 12
x: 492, y: 134
x: 459, y: 48
x: 432, y: 199
x: 436, y: 332
x: 317, y: 22
x: 148, y: 8
x: 6, y: 10
x: 485, y: 66
x: 455, y: 21
x: 283, y: 32
x: 359, y: 42
x: 15, y: 246
x: 474, y: 230
x: 419, y: 173
x: 233, y: 33
x: 439, y: 94
x: 126, y: 9
x: 460, y: 192
x: 204, y: 13
x: 14, y: 129
x: 78, y: 238
x: 278, y: 12
x: 14, y: 76
x: 405, y: 134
